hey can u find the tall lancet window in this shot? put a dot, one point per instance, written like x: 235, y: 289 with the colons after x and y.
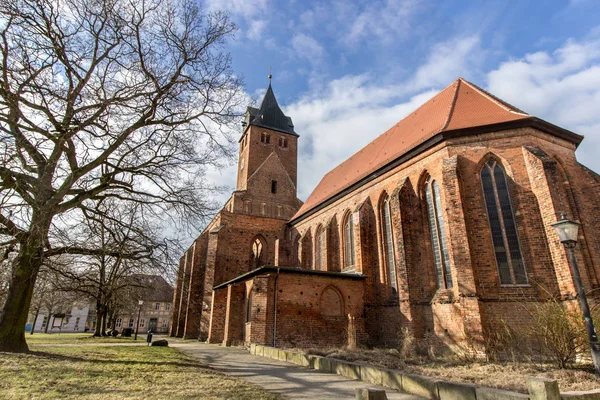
x: 502, y: 225
x: 388, y: 242
x: 437, y: 229
x: 319, y: 248
x: 249, y: 306
x: 349, y: 241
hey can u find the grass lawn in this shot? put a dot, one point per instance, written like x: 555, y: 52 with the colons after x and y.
x: 83, y: 370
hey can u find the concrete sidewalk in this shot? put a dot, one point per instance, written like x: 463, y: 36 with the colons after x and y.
x: 287, y: 380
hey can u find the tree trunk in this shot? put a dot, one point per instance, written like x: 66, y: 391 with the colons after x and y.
x: 16, y: 308
x: 99, y: 317
x: 50, y: 311
x: 104, y: 317
x: 111, y: 319
x: 37, y: 312
x: 100, y: 303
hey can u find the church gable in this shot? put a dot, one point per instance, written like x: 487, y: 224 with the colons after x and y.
x: 271, y: 180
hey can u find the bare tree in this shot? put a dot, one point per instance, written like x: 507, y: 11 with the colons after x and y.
x: 124, y: 245
x: 103, y: 99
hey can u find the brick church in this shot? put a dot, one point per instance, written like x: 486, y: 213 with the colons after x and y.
x: 441, y: 225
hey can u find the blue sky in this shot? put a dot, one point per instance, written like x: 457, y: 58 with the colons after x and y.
x: 345, y: 71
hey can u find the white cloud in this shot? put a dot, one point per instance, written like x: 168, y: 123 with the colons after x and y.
x: 356, y: 24
x: 250, y: 12
x: 270, y: 44
x: 308, y: 48
x: 447, y: 61
x: 248, y: 8
x: 307, y: 19
x: 385, y: 20
x: 562, y: 87
x: 256, y: 29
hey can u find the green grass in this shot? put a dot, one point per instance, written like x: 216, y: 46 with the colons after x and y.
x: 119, y: 372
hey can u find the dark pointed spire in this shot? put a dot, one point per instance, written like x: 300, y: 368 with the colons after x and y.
x: 269, y: 115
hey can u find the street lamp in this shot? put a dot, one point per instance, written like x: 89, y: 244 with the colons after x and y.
x: 567, y: 234
x: 137, y: 327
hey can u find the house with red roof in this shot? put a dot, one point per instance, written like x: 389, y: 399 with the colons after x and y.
x: 440, y: 227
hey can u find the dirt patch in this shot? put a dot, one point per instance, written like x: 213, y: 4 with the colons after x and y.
x: 509, y: 375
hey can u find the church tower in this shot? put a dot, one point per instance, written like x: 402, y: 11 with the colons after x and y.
x: 268, y: 161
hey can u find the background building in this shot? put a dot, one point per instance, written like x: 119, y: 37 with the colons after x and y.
x: 155, y: 312
x: 71, y: 318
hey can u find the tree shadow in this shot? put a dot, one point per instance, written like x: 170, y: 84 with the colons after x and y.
x: 62, y: 357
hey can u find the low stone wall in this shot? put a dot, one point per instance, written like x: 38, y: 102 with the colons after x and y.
x: 424, y: 386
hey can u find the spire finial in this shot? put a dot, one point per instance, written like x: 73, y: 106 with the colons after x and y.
x: 270, y: 76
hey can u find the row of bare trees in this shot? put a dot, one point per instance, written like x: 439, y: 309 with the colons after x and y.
x: 110, y: 111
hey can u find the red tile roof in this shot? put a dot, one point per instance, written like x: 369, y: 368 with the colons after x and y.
x: 460, y: 105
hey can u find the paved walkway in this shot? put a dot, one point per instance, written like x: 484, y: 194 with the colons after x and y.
x: 287, y: 380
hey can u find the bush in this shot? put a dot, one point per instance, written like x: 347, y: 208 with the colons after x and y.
x: 407, y: 344
x: 556, y: 334
x: 431, y: 346
x: 559, y: 330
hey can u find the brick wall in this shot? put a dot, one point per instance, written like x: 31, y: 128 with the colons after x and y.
x: 260, y: 325
x: 216, y: 330
x: 234, y: 314
x: 195, y: 308
x: 311, y: 310
x: 177, y: 299
x: 303, y: 316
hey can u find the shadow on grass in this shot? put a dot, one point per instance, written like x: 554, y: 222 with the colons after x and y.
x: 61, y: 357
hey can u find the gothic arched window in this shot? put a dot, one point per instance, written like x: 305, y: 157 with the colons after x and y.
x: 319, y: 237
x: 388, y: 242
x: 502, y: 225
x: 307, y: 250
x: 349, y: 241
x: 297, y: 252
x: 437, y: 230
x: 257, y: 253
